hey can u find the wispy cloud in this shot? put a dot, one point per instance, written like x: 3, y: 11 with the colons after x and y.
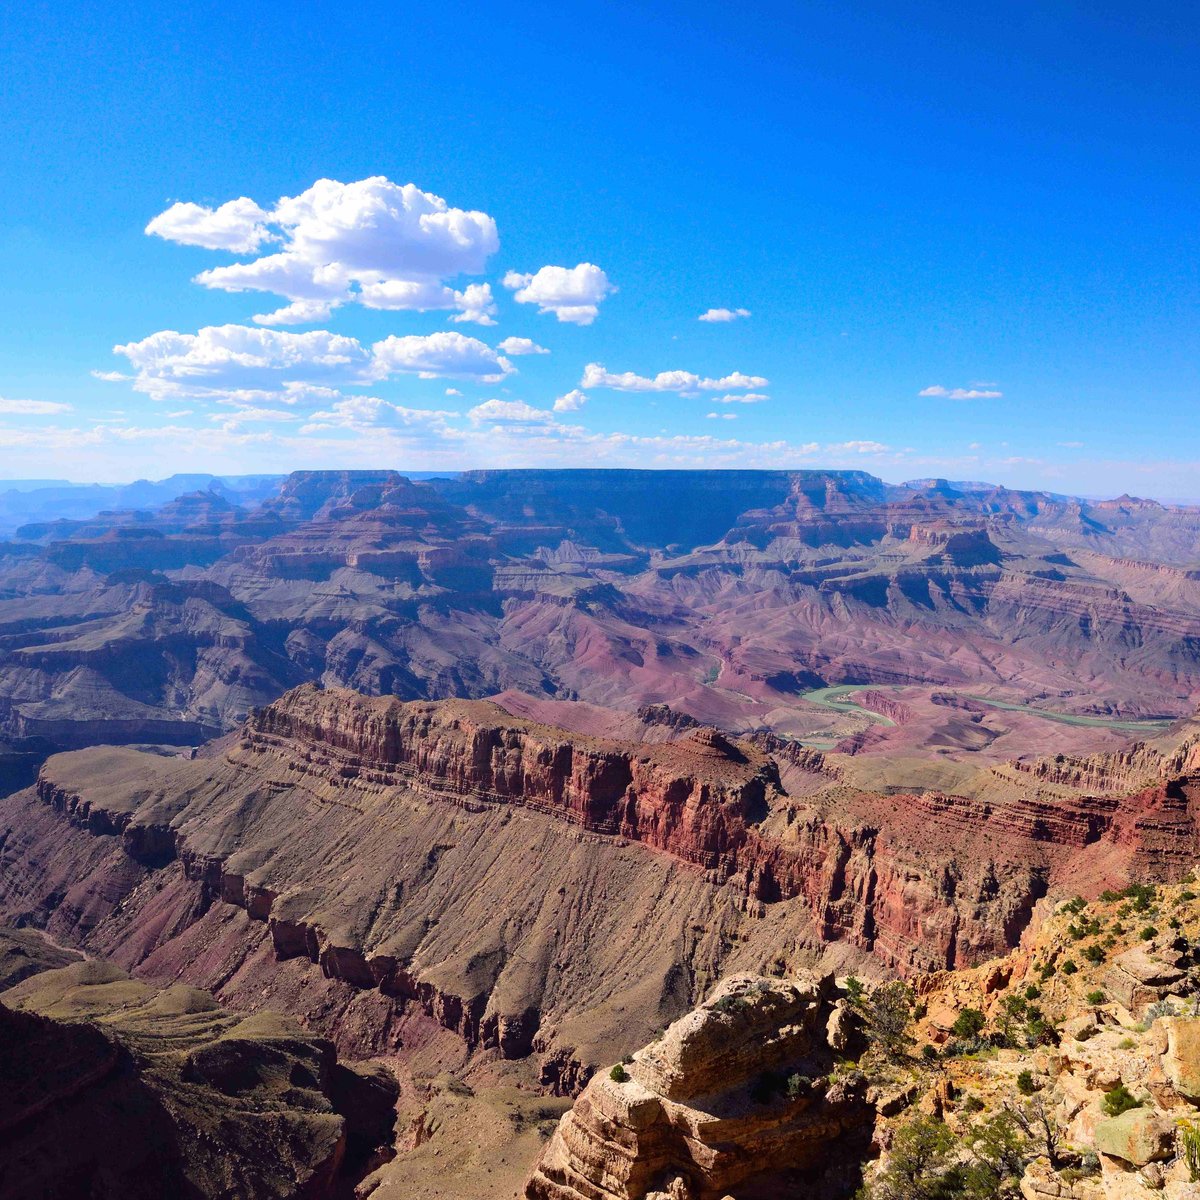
x: 958, y: 393
x: 32, y: 408
x: 595, y: 376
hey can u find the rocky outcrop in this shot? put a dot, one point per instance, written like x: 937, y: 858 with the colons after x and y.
x: 737, y: 1090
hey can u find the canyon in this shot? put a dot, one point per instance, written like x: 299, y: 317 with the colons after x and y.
x: 484, y: 782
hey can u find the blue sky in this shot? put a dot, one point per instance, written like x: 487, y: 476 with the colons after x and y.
x: 996, y: 201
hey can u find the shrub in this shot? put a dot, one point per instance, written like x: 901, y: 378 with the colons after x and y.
x: 1126, y: 1043
x: 928, y: 1052
x: 618, y: 1074
x: 1189, y: 1140
x: 1094, y: 953
x: 1148, y: 932
x: 1119, y: 1100
x: 854, y: 990
x: 1069, y: 967
x: 1187, y: 897
x: 1032, y: 992
x: 973, y: 1104
x: 1046, y: 971
x: 1025, y: 1084
x: 968, y: 1024
x: 1096, y: 997
x: 797, y: 1086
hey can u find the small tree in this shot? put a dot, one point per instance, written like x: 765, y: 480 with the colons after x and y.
x: 968, y: 1024
x: 888, y: 1014
x: 618, y: 1074
x: 1035, y: 1119
x: 1025, y: 1084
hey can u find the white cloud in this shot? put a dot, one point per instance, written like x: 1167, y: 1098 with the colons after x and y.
x: 508, y: 411
x: 111, y: 376
x: 518, y: 345
x: 244, y: 416
x: 572, y: 294
x: 594, y: 375
x: 246, y: 366
x: 384, y: 245
x: 32, y: 408
x: 224, y: 359
x: 573, y: 401
x: 238, y: 225
x: 960, y: 393
x: 722, y: 416
x: 453, y: 392
x: 724, y: 314
x: 859, y: 448
x: 748, y: 398
x: 444, y: 355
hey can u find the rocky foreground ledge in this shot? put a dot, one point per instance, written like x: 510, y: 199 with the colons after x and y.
x: 738, y: 1093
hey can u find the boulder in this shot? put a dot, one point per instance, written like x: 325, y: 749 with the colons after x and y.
x: 1181, y: 1059
x: 1139, y: 1136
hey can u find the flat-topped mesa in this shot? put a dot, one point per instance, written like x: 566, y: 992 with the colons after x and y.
x: 697, y: 798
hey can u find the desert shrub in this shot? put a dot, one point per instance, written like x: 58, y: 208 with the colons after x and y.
x: 1189, y: 1145
x: 1119, y: 1100
x: 1126, y: 1043
x: 1187, y: 897
x: 1069, y: 967
x: 618, y: 1074
x: 1148, y: 932
x: 797, y: 1086
x: 1033, y: 992
x: 1094, y: 953
x: 1096, y: 997
x: 854, y: 990
x: 1025, y: 1084
x: 968, y: 1024
x: 928, y: 1052
x: 1046, y: 971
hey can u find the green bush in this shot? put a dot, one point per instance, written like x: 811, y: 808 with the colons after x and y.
x: 928, y: 1052
x: 1025, y: 1084
x: 1096, y: 997
x: 1148, y: 932
x: 1119, y: 1100
x: 1094, y: 953
x: 1033, y: 992
x: 968, y: 1024
x: 1069, y: 967
x: 618, y: 1074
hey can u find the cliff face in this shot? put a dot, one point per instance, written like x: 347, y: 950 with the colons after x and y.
x: 381, y: 867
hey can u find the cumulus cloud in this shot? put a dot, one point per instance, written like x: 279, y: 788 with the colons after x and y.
x: 518, y: 345
x: 247, y: 365
x: 959, y: 393
x: 238, y: 225
x: 32, y: 408
x: 573, y: 401
x: 508, y: 412
x: 594, y: 375
x: 572, y: 294
x: 724, y: 314
x: 381, y: 244
x: 444, y: 355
